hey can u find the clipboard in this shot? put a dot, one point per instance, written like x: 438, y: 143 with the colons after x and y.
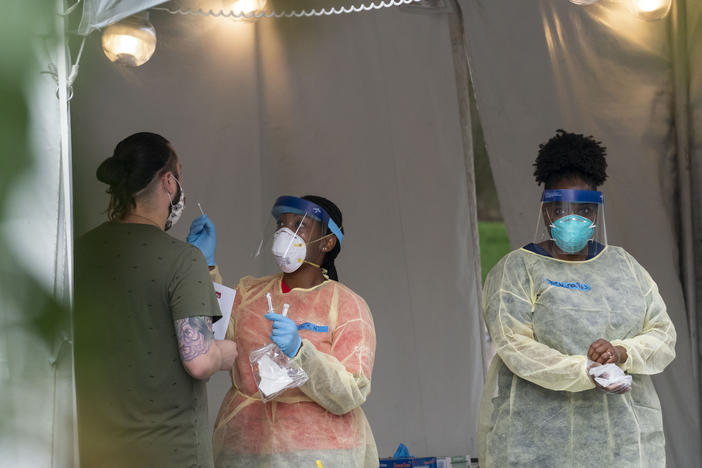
x: 225, y: 298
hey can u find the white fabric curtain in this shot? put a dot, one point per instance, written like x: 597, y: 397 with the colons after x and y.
x: 36, y: 366
x: 363, y: 109
x: 547, y: 64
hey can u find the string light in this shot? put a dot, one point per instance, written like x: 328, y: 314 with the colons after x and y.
x: 314, y: 12
x: 246, y: 7
x: 583, y: 2
x: 130, y: 42
x: 651, y: 10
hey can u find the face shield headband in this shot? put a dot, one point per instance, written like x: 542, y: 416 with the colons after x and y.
x: 288, y: 204
x: 572, y: 196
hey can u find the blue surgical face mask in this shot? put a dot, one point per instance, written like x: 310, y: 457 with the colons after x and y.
x: 572, y: 232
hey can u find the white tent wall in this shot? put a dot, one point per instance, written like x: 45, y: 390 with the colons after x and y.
x: 370, y: 104
x: 36, y: 365
x: 363, y: 109
x: 542, y: 65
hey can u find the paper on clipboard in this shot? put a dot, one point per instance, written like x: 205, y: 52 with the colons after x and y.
x: 225, y: 298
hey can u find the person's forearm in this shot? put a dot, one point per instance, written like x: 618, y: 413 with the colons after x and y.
x: 216, y: 359
x: 539, y: 363
x: 215, y: 275
x: 221, y: 362
x: 205, y: 365
x: 330, y: 384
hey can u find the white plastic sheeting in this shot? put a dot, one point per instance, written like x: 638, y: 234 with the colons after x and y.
x: 542, y: 65
x: 100, y: 13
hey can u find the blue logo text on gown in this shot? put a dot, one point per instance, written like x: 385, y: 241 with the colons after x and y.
x: 570, y: 285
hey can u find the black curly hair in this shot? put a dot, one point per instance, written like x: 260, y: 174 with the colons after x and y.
x: 569, y: 155
x: 335, y: 213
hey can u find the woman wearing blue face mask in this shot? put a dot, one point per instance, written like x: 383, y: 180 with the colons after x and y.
x: 557, y: 308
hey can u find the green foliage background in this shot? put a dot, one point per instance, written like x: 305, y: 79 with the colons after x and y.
x: 494, y: 244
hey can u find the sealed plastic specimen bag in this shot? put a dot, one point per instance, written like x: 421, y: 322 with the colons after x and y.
x: 273, y: 371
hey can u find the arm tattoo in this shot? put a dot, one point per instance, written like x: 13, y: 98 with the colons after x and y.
x: 194, y: 336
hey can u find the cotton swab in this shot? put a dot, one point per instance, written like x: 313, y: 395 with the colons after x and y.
x: 285, y: 309
x: 200, y: 206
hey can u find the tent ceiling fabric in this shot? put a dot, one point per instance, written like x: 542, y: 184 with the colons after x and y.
x: 538, y: 66
x: 100, y: 13
x: 360, y: 108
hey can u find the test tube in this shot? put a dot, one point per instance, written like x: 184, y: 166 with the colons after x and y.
x: 270, y: 303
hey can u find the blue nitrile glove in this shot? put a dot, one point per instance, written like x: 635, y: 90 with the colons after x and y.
x: 285, y: 334
x: 401, y: 452
x: 203, y: 236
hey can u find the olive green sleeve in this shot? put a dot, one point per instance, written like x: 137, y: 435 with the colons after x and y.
x: 190, y: 290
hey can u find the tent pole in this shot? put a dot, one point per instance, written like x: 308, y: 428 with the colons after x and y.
x: 463, y: 88
x: 63, y: 65
x: 681, y: 98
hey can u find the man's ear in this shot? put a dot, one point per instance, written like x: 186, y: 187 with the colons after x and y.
x: 167, y: 180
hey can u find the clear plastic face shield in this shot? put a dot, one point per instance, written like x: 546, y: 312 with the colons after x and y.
x: 571, y: 222
x: 294, y: 234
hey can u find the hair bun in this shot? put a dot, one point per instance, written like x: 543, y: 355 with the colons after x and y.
x: 112, y: 171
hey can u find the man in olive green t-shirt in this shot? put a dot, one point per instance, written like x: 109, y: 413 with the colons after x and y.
x: 143, y: 329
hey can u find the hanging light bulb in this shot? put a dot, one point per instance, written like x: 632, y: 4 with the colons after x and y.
x: 243, y: 7
x: 651, y: 10
x: 130, y: 42
x: 583, y: 2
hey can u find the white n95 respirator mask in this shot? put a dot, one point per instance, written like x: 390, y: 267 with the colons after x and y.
x: 289, y: 250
